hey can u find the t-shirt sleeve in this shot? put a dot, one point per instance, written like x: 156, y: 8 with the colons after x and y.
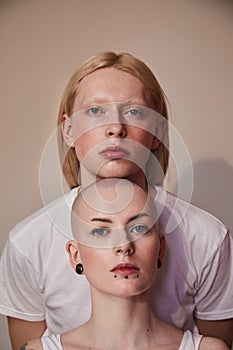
x: 20, y: 293
x: 214, y: 292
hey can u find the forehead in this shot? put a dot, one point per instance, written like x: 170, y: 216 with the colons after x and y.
x: 111, y: 85
x: 122, y: 201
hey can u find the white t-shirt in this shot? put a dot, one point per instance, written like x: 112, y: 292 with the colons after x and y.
x: 190, y: 341
x: 37, y: 281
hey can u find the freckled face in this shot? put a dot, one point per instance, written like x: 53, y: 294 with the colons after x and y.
x: 134, y: 226
x: 112, y: 148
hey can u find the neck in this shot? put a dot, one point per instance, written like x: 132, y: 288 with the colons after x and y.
x: 88, y: 178
x: 127, y: 322
x: 123, y: 323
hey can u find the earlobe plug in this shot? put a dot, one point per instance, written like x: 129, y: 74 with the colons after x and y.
x: 159, y: 264
x: 79, y: 269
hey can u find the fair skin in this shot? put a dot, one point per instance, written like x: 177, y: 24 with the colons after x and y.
x: 106, y: 86
x: 20, y: 331
x: 119, y: 293
x: 97, y: 89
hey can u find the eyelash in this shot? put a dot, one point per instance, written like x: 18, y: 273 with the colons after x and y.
x: 94, y: 232
x: 96, y: 111
x: 132, y: 113
x: 145, y: 229
x: 102, y: 231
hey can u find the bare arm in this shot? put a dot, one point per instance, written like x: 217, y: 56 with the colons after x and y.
x: 36, y: 344
x: 208, y: 343
x: 21, y: 331
x: 219, y: 329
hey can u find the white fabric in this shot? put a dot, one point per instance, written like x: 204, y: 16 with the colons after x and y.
x: 52, y: 342
x: 37, y: 281
x: 190, y: 341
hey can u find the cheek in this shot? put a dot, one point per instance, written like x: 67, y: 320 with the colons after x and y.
x: 88, y: 255
x: 83, y: 145
x: 150, y: 249
x: 141, y: 136
x: 151, y: 254
x: 94, y: 260
x: 80, y: 151
x: 83, y: 131
x: 150, y: 265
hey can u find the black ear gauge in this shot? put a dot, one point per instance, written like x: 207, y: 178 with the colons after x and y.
x: 159, y: 264
x: 79, y: 269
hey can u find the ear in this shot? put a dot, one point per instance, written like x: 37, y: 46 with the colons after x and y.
x: 162, y: 247
x: 66, y: 128
x: 156, y: 143
x: 72, y: 250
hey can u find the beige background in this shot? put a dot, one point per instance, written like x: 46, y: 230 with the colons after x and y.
x: 188, y: 45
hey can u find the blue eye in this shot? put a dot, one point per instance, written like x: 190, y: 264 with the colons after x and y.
x: 99, y: 231
x: 141, y: 229
x: 94, y: 110
x: 133, y: 111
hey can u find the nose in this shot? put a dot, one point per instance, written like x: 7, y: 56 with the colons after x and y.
x: 126, y: 250
x: 117, y: 130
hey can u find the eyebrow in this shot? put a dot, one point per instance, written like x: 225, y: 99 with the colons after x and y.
x: 103, y: 101
x: 102, y: 220
x: 131, y: 219
x: 138, y: 216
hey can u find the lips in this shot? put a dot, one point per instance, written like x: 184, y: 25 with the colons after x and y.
x: 114, y: 152
x: 125, y: 269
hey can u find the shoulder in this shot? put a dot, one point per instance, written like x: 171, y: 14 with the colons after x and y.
x: 35, y: 236
x: 180, y: 207
x: 213, y: 344
x: 54, y: 214
x: 35, y: 344
x: 180, y: 215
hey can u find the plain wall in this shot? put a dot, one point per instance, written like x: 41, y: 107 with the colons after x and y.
x: 187, y: 44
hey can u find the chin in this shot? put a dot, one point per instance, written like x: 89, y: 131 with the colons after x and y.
x: 121, y: 169
x: 131, y: 289
x: 130, y: 293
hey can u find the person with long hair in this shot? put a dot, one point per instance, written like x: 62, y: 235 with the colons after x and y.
x: 113, y: 122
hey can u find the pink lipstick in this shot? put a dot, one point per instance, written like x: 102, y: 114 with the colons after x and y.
x: 125, y: 269
x: 114, y: 152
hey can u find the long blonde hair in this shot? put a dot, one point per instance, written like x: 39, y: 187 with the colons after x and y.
x: 127, y: 63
